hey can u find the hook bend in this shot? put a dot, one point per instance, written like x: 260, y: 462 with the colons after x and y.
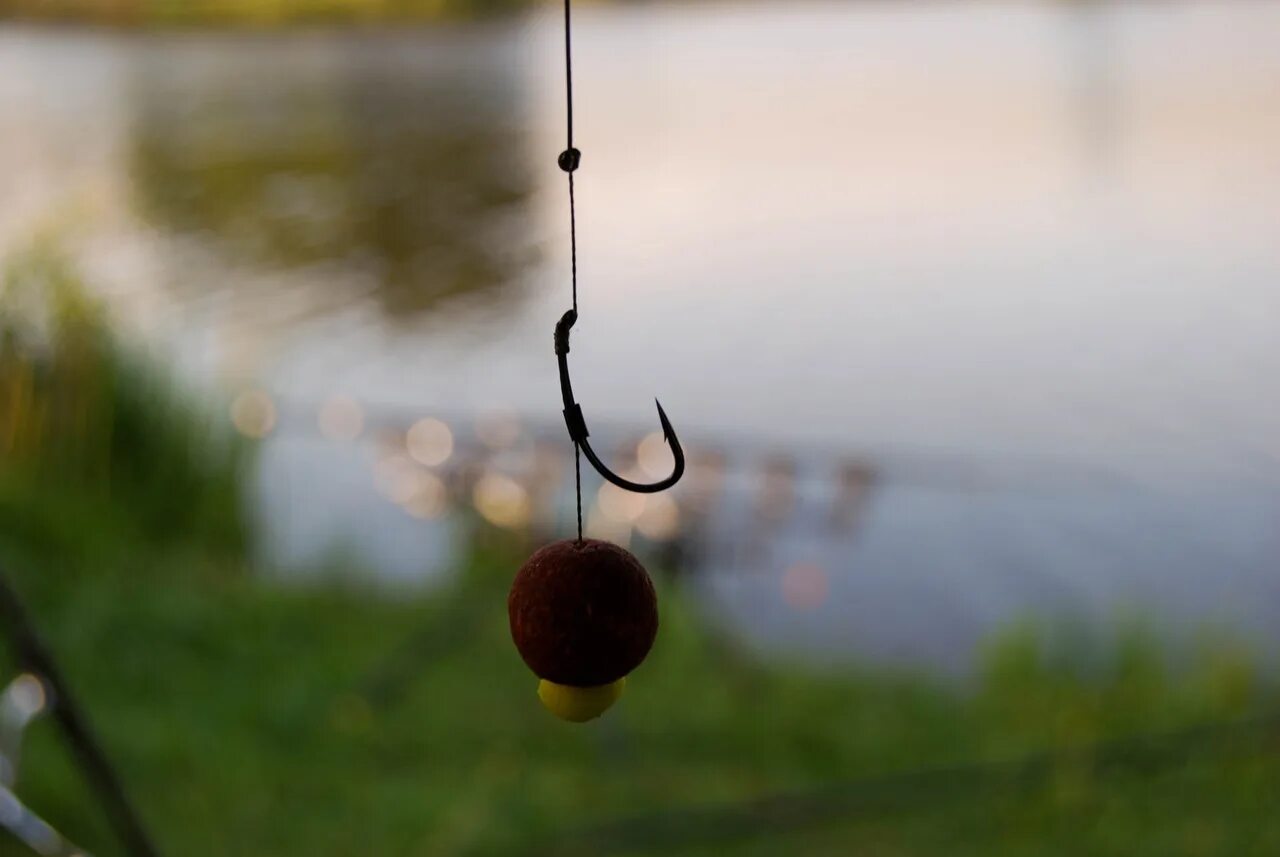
x: 577, y: 423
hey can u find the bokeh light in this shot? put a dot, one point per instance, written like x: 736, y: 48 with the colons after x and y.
x: 430, y: 442
x: 654, y: 456
x: 27, y: 696
x: 620, y: 505
x: 430, y: 499
x: 398, y: 478
x: 604, y: 527
x: 253, y: 413
x: 660, y: 519
x: 502, y: 501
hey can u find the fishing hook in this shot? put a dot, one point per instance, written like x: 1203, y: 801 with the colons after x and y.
x: 577, y: 424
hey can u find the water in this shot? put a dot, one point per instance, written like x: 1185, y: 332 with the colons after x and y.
x: 1018, y: 259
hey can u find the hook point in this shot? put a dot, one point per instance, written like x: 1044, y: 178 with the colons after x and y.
x: 667, y: 431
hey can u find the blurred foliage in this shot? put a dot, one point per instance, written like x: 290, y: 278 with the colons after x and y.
x: 251, y: 718
x: 97, y: 450
x: 250, y: 12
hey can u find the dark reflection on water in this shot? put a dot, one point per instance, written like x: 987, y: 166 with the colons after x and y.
x: 406, y: 179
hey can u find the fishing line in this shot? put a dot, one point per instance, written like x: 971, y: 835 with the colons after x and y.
x: 570, y: 159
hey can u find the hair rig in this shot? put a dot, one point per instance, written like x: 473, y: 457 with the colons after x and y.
x: 583, y: 612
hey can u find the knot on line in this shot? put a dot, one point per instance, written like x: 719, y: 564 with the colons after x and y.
x: 569, y: 159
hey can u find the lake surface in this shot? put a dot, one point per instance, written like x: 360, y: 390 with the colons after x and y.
x: 987, y: 293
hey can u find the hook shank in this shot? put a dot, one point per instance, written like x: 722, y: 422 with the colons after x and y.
x: 577, y: 423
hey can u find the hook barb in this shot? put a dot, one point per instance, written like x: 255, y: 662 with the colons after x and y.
x: 577, y: 423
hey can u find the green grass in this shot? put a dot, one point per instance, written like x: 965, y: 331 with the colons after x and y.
x: 255, y: 718
x: 99, y: 451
